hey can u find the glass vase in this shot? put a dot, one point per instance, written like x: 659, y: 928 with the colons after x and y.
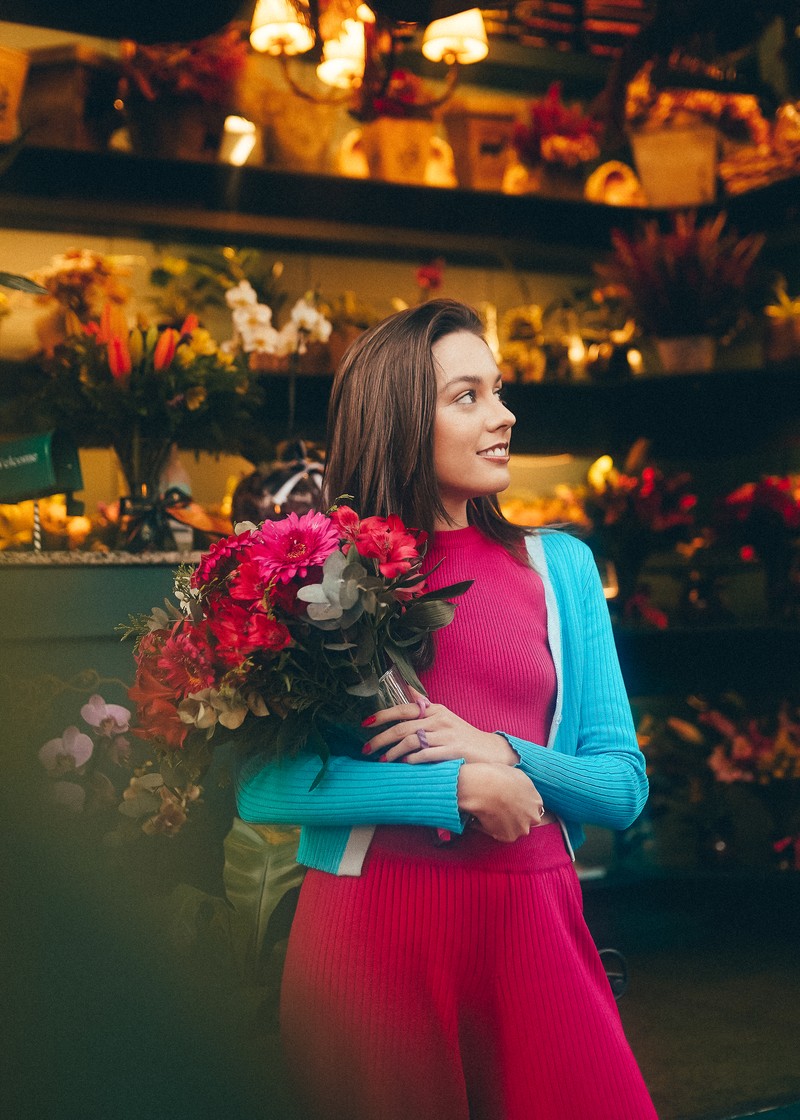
x: 143, y: 520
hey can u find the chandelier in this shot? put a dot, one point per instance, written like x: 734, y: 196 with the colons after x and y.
x: 363, y: 52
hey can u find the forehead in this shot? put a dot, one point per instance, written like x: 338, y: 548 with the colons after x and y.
x: 462, y: 354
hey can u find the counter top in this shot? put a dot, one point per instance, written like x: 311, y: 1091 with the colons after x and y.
x: 77, y: 559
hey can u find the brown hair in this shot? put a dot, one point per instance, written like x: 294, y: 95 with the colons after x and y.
x: 381, y: 420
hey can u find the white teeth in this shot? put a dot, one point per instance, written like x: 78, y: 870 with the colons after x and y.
x: 494, y: 453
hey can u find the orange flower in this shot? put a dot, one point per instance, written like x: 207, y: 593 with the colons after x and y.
x: 119, y: 357
x: 165, y: 348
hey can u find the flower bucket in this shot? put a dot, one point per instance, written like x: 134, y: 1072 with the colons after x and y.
x: 397, y: 149
x: 482, y: 146
x: 175, y: 128
x: 677, y: 166
x: 13, y: 71
x: 687, y: 353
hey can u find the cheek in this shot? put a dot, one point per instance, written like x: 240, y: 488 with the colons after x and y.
x: 448, y: 446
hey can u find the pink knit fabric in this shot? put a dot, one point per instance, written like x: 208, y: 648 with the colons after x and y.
x: 420, y: 991
x: 493, y: 665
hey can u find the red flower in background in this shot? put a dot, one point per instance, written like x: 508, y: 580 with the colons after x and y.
x: 387, y: 540
x: 186, y: 660
x: 243, y: 631
x: 157, y: 708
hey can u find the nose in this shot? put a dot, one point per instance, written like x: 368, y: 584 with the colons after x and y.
x: 504, y: 417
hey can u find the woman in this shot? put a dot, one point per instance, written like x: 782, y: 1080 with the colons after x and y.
x: 458, y: 981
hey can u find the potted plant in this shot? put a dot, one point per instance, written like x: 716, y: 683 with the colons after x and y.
x: 553, y: 147
x: 687, y: 287
x: 180, y: 93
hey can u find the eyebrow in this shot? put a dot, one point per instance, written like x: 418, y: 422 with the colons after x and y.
x: 467, y: 379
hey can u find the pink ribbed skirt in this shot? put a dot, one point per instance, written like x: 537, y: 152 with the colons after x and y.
x: 454, y: 983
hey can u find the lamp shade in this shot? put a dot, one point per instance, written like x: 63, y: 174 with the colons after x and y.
x: 342, y: 63
x: 277, y: 28
x: 459, y: 38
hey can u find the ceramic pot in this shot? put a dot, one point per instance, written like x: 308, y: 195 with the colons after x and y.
x: 397, y: 149
x: 687, y: 353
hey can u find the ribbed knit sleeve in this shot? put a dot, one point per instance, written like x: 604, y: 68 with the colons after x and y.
x: 595, y: 773
x: 351, y: 792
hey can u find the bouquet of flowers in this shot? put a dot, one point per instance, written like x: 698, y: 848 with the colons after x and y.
x: 283, y: 632
x: 205, y: 68
x: 556, y: 134
x: 399, y: 94
x: 726, y: 769
x: 763, y: 518
x: 140, y: 390
x: 695, y: 278
x: 636, y: 510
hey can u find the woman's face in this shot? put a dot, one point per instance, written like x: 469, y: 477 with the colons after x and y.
x: 472, y: 428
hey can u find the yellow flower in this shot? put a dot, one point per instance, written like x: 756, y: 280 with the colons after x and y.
x: 175, y: 266
x: 195, y: 397
x: 201, y: 341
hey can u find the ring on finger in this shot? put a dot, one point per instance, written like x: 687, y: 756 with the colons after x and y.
x: 423, y: 738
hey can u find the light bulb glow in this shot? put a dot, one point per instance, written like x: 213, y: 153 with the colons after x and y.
x: 459, y: 38
x: 277, y: 28
x: 342, y: 63
x: 238, y: 141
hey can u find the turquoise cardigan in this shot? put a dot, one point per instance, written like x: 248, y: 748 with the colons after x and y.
x: 591, y: 769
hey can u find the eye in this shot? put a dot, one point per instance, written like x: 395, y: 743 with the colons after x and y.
x: 470, y: 396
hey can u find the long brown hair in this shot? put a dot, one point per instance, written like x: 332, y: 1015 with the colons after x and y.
x: 381, y: 422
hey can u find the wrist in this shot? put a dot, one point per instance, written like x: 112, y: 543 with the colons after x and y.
x: 508, y: 755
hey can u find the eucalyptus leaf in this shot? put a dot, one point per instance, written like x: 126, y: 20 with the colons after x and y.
x: 366, y: 647
x: 312, y: 593
x: 339, y: 645
x: 321, y: 612
x: 348, y: 594
x: 429, y: 615
x: 332, y: 573
x: 451, y: 592
x: 369, y: 687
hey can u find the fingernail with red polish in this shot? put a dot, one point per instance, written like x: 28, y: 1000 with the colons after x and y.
x: 383, y: 758
x: 366, y: 749
x: 368, y: 721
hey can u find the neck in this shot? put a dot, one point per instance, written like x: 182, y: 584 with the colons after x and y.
x: 458, y: 519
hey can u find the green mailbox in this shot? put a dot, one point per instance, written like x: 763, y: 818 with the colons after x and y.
x: 39, y: 465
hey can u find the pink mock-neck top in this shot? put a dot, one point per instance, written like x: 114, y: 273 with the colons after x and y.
x: 492, y: 665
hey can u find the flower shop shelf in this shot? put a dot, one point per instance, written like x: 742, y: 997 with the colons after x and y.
x: 681, y: 660
x: 110, y: 192
x: 705, y: 414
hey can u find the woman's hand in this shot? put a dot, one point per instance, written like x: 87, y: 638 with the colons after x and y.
x: 503, y: 800
x: 444, y: 735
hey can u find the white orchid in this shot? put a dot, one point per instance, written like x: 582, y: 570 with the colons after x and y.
x: 67, y: 754
x: 109, y: 719
x: 243, y: 295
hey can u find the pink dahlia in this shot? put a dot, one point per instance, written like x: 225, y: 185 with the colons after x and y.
x: 221, y: 559
x: 295, y: 544
x: 186, y: 662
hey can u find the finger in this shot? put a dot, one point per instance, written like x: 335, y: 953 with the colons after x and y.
x: 422, y: 700
x: 391, y: 715
x: 393, y: 735
x: 403, y: 751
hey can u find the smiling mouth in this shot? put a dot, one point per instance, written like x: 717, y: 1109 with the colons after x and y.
x: 500, y: 451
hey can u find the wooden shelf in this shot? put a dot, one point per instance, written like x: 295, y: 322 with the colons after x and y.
x: 115, y: 193
x: 762, y: 658
x: 706, y: 415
